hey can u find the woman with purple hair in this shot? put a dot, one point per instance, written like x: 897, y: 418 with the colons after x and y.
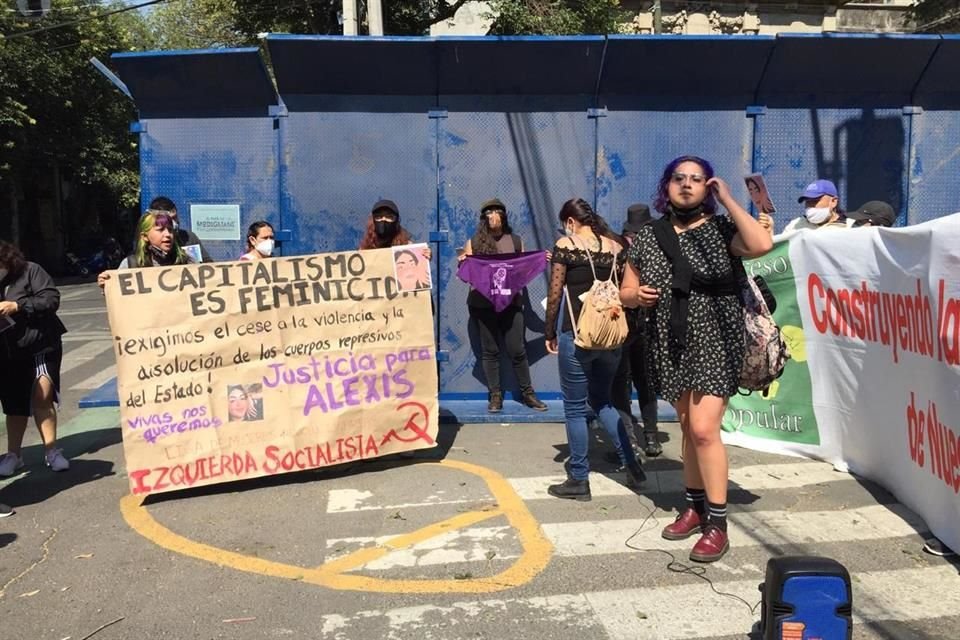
x: 684, y: 268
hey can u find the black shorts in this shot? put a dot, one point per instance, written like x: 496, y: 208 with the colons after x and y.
x: 17, y: 378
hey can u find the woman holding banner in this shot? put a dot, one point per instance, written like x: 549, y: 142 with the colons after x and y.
x: 384, y: 230
x: 682, y: 268
x: 31, y: 349
x: 261, y: 241
x: 156, y: 246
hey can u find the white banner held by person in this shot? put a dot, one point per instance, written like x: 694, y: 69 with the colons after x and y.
x: 881, y: 318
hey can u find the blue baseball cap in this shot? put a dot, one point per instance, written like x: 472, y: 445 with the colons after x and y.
x: 819, y: 188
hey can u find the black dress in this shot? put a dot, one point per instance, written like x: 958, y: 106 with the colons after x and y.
x: 713, y: 358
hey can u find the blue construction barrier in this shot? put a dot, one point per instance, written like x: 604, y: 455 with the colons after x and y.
x: 439, y: 125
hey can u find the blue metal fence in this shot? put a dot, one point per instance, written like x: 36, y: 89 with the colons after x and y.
x: 439, y: 125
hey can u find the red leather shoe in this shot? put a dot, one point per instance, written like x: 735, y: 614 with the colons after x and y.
x: 711, y: 546
x: 686, y: 524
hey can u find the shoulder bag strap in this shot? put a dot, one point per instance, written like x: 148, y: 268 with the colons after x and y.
x: 567, y: 303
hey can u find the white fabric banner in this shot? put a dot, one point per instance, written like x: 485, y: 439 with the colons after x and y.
x: 880, y: 310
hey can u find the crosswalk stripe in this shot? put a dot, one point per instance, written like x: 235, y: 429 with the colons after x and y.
x: 762, y: 477
x: 74, y: 293
x: 96, y: 380
x: 746, y: 529
x: 663, y: 613
x: 81, y: 355
x: 609, y: 537
x: 86, y: 336
x: 89, y: 311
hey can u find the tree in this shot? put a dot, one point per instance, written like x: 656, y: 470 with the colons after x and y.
x: 555, y: 17
x: 197, y: 24
x: 62, y: 123
x: 936, y: 16
x: 401, y: 17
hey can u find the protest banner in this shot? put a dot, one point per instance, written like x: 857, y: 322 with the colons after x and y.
x: 245, y: 369
x: 782, y: 418
x: 879, y: 312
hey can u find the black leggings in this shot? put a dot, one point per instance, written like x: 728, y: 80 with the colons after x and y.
x: 633, y: 373
x: 507, y: 324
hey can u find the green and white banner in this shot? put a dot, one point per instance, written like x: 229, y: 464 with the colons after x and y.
x: 872, y: 317
x: 784, y: 414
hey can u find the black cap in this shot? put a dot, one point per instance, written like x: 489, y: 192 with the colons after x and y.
x: 876, y: 212
x: 492, y: 203
x: 637, y: 216
x: 389, y: 205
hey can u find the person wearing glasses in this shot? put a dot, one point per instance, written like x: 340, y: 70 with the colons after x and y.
x: 682, y: 269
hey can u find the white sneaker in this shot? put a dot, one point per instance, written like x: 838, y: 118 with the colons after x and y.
x: 56, y: 461
x: 10, y: 463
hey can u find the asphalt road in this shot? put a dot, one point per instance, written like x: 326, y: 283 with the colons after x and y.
x: 457, y: 542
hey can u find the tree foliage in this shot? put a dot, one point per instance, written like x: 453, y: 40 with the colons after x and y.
x: 400, y: 17
x: 197, y: 24
x: 556, y: 17
x: 936, y: 16
x: 57, y: 110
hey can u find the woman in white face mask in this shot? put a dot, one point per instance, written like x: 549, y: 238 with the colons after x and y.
x: 260, y: 241
x: 821, y: 208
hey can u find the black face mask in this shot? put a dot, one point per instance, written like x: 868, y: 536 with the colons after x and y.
x: 385, y: 229
x: 685, y: 215
x: 160, y: 256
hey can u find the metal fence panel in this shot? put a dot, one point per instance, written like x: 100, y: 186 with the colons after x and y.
x: 862, y: 150
x: 635, y: 146
x: 533, y: 158
x: 213, y: 161
x: 336, y: 165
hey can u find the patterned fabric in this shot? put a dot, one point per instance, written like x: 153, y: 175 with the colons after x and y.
x: 500, y: 278
x: 766, y: 353
x: 713, y: 358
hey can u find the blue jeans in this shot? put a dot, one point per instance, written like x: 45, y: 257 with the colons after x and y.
x: 587, y: 376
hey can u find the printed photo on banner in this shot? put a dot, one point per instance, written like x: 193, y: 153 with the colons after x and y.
x: 239, y: 370
x: 499, y: 284
x: 759, y: 193
x: 245, y: 403
x: 412, y: 267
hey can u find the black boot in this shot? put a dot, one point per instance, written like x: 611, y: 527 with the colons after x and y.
x: 571, y: 489
x: 495, y: 402
x: 651, y: 446
x: 651, y: 443
x: 531, y: 400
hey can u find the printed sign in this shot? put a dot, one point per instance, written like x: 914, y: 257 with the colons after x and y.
x: 215, y: 221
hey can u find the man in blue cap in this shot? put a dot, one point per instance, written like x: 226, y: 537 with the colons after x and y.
x: 821, y: 208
